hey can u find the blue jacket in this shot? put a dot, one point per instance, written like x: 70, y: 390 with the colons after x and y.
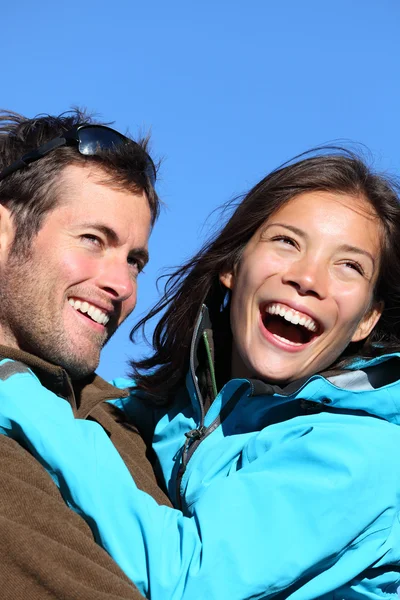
x: 291, y: 493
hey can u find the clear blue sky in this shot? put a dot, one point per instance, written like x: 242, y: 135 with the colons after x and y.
x: 230, y: 89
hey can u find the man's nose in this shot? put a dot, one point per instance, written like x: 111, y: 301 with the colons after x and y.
x: 308, y: 276
x: 116, y: 279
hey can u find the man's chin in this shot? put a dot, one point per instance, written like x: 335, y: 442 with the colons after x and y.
x: 78, y: 366
x: 78, y: 356
x: 78, y: 369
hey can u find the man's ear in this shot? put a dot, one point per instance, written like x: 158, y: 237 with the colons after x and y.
x: 227, y: 279
x: 368, y: 322
x: 7, y: 231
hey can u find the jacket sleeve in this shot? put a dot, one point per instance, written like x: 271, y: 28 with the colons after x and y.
x: 310, y: 509
x: 46, y: 549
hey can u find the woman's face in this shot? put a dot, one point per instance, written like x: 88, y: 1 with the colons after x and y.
x: 303, y: 289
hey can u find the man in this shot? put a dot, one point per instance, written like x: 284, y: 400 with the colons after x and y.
x: 77, y: 204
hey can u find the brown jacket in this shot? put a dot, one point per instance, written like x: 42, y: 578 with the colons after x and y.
x: 46, y: 549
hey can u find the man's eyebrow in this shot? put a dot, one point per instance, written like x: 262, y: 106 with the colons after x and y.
x: 112, y: 236
x: 109, y: 233
x: 343, y: 248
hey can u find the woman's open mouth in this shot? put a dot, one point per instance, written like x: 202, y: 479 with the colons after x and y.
x: 289, y: 326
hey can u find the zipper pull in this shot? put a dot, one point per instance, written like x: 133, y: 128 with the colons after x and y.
x: 194, y: 435
x: 191, y: 436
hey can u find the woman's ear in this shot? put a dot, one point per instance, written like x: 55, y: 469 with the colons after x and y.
x: 368, y: 322
x: 227, y: 279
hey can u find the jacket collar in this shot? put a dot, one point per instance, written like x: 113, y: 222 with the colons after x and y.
x: 204, y: 326
x: 83, y: 395
x: 367, y: 385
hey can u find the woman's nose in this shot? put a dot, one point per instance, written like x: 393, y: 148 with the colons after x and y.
x: 308, y: 277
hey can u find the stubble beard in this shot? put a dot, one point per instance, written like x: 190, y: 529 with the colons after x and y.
x: 27, y: 321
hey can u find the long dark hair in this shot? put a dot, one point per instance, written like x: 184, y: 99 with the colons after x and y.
x: 331, y: 169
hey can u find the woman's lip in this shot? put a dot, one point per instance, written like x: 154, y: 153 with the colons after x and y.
x: 279, y: 342
x: 298, y: 308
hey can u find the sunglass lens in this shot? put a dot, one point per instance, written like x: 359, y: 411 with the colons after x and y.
x: 91, y: 139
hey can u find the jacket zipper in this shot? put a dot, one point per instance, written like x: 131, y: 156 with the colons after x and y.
x: 193, y: 434
x: 194, y: 437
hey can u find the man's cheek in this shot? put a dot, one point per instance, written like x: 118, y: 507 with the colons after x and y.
x: 77, y: 268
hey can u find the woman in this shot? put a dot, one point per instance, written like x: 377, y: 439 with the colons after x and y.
x: 271, y: 402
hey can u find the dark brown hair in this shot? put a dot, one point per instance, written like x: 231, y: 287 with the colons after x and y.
x: 331, y: 169
x: 32, y: 192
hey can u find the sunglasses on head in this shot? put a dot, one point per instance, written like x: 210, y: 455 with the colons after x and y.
x: 88, y: 139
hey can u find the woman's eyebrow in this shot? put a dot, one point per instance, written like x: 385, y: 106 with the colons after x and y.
x: 292, y: 228
x: 342, y: 248
x: 357, y: 250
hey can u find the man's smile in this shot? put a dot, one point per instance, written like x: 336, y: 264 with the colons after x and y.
x: 90, y: 310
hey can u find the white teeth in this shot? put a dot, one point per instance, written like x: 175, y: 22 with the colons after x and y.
x: 292, y: 316
x: 288, y: 316
x: 287, y: 341
x: 94, y: 313
x: 311, y: 325
x: 296, y: 319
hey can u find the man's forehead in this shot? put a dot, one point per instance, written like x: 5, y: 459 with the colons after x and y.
x: 89, y: 175
x: 86, y: 201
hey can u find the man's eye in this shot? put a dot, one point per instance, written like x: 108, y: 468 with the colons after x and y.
x: 90, y: 238
x: 136, y: 264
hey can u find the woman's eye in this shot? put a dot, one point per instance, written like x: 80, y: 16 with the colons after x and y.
x: 285, y: 240
x: 355, y: 266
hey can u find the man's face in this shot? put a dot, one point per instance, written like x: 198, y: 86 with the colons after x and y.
x: 65, y: 299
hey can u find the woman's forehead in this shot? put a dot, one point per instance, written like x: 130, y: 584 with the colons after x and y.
x: 329, y: 215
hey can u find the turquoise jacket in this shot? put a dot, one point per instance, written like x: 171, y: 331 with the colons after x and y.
x: 285, y: 493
